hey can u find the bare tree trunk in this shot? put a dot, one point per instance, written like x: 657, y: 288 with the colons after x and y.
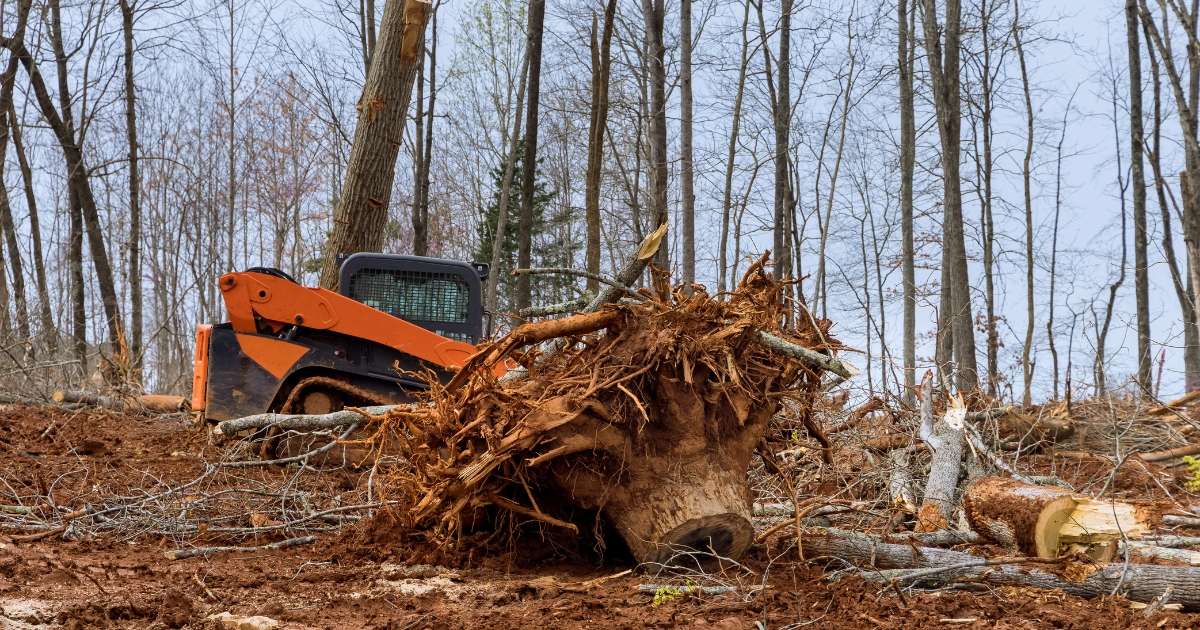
x: 1141, y: 279
x: 135, y: 206
x: 8, y: 227
x: 537, y: 18
x: 653, y: 11
x: 421, y: 202
x: 908, y: 154
x: 1026, y: 177
x: 77, y: 175
x: 597, y: 126
x: 731, y: 154
x: 1186, y: 105
x: 944, y: 75
x: 35, y: 231
x: 1058, y: 160
x: 361, y: 214
x: 686, y: 166
x: 1179, y: 280
x: 783, y: 119
x: 1098, y: 362
x: 987, y: 222
x: 510, y: 161
x: 366, y: 14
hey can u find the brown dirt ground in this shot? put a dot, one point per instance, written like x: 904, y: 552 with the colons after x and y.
x: 109, y: 582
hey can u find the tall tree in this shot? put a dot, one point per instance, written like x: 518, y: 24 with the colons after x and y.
x: 1027, y: 188
x: 783, y: 120
x: 943, y: 61
x: 537, y: 19
x: 731, y: 156
x: 362, y: 208
x: 1181, y: 281
x: 135, y: 182
x: 1187, y: 101
x: 687, y: 173
x: 908, y: 154
x: 654, y: 15
x: 1141, y: 277
x: 8, y: 228
x: 35, y: 230
x: 424, y: 146
x: 601, y: 52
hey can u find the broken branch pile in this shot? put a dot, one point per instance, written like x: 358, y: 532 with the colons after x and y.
x: 648, y: 412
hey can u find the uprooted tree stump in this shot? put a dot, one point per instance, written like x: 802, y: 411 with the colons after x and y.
x: 648, y: 412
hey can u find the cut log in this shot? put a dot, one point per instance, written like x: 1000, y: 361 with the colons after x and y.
x: 1170, y: 453
x: 1138, y: 582
x: 1046, y: 521
x: 154, y: 403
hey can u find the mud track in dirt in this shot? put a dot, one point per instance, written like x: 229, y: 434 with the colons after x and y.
x: 356, y: 579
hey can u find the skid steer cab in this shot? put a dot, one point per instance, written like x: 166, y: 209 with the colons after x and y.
x: 294, y: 349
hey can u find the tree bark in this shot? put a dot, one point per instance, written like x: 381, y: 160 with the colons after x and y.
x: 1027, y: 187
x: 653, y: 12
x: 686, y: 159
x: 1179, y: 280
x: 135, y: 182
x: 783, y: 118
x: 362, y: 209
x: 1138, y: 582
x: 35, y: 232
x: 537, y: 18
x: 908, y: 154
x: 1141, y: 279
x: 420, y: 215
x: 731, y: 155
x: 510, y: 162
x: 944, y: 76
x: 597, y: 126
x: 7, y: 225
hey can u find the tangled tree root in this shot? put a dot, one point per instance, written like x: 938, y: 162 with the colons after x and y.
x: 648, y: 412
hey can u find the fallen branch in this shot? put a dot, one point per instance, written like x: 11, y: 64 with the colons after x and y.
x: 197, y: 552
x: 686, y: 589
x: 1170, y: 453
x: 561, y: 308
x: 631, y: 271
x: 1170, y: 407
x: 303, y: 457
x: 156, y: 403
x: 1138, y: 582
x: 301, y: 422
x: 810, y: 358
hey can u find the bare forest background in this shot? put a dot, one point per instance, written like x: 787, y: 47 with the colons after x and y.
x: 1009, y: 190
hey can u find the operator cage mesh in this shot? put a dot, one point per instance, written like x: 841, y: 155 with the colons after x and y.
x: 417, y: 296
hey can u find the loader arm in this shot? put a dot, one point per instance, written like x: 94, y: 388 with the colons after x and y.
x: 255, y: 300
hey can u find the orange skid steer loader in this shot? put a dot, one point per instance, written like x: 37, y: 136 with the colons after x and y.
x: 294, y: 349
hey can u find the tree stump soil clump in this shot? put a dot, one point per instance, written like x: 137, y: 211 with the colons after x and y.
x: 646, y: 411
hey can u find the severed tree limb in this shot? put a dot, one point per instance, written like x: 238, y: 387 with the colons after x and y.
x: 810, y: 358
x: 1138, y: 582
x: 567, y: 271
x: 180, y: 554
x: 157, y: 403
x: 1170, y: 453
x: 941, y: 488
x: 302, y: 422
x: 631, y: 271
x: 561, y: 308
x: 303, y: 457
